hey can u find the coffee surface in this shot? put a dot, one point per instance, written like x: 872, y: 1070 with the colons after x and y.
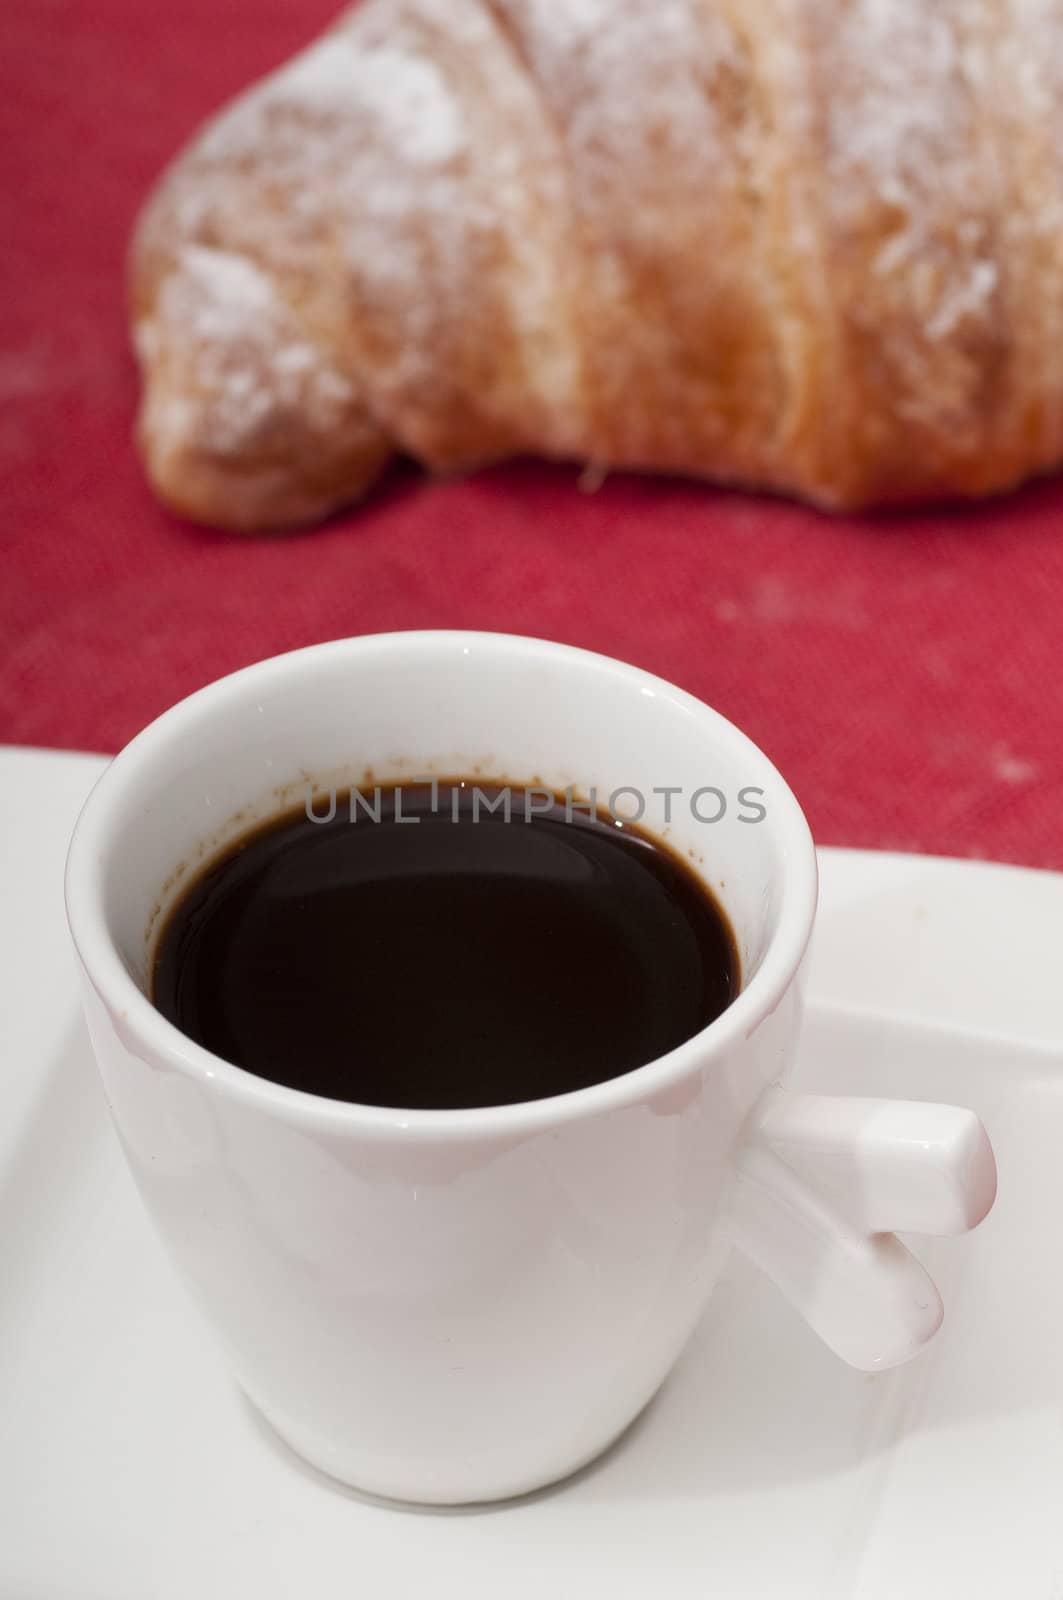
x: 447, y: 957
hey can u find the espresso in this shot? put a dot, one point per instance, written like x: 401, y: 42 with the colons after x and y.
x: 417, y: 949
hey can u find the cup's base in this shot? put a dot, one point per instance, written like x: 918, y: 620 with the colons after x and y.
x: 440, y: 1489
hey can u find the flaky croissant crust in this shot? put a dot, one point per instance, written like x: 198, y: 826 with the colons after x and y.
x: 814, y: 246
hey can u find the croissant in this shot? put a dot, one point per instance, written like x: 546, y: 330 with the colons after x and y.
x: 810, y: 246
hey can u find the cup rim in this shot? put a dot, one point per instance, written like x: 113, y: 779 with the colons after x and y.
x: 146, y: 1028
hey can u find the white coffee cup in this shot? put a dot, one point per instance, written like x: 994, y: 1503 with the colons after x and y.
x: 450, y: 1306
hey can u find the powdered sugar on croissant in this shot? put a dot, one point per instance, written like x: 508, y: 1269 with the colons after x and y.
x: 809, y: 245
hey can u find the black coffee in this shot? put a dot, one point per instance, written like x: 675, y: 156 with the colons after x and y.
x: 445, y: 958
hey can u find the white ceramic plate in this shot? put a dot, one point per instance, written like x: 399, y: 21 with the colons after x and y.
x: 132, y: 1469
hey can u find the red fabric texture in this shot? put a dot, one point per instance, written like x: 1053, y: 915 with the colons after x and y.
x: 904, y: 671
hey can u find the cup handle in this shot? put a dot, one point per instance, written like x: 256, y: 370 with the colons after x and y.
x: 819, y: 1189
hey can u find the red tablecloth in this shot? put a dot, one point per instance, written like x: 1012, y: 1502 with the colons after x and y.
x: 904, y: 672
